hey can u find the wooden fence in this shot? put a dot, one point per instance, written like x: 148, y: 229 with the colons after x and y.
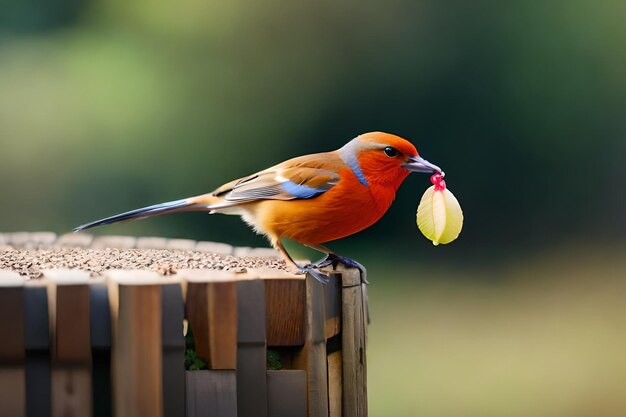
x: 71, y: 345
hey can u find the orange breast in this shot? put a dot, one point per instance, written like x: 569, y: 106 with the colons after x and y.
x: 345, y: 209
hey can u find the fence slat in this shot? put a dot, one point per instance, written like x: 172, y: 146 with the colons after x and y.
x: 100, y: 321
x: 137, y: 353
x: 286, y: 391
x: 251, y: 349
x: 68, y: 311
x: 354, y: 328
x: 211, y: 309
x: 334, y: 384
x: 312, y: 357
x: 37, y: 343
x: 285, y: 301
x: 173, y: 351
x: 12, y: 349
x: 332, y: 293
x: 211, y: 393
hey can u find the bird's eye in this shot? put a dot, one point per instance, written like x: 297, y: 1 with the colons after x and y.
x: 390, y: 152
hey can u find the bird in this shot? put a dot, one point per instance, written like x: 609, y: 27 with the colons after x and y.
x: 312, y: 199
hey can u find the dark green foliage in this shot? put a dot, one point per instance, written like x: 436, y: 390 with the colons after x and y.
x: 273, y: 361
x: 192, y: 361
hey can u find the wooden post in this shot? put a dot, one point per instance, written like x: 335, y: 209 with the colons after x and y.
x: 68, y: 311
x: 12, y: 351
x: 173, y: 350
x: 332, y: 294
x: 286, y: 392
x: 251, y: 349
x: 335, y: 382
x: 137, y: 353
x: 285, y: 304
x: 332, y: 290
x: 211, y: 393
x: 211, y: 309
x: 312, y: 357
x: 128, y: 326
x: 100, y: 321
x: 353, y: 341
x: 37, y: 344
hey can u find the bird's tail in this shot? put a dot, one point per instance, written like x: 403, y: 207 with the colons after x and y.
x: 200, y: 203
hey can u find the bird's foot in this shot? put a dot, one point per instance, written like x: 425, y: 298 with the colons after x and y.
x: 331, y: 259
x: 314, y: 271
x: 334, y: 259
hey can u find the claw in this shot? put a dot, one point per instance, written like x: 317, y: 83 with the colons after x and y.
x: 323, y: 263
x: 314, y: 271
x: 331, y: 259
x: 350, y: 263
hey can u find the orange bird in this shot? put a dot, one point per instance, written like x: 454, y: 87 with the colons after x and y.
x: 311, y: 199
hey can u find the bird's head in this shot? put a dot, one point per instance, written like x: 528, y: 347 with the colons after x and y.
x: 383, y: 158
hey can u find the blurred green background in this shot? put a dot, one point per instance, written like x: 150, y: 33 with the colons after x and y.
x: 111, y: 105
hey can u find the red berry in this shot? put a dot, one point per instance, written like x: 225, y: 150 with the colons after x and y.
x: 438, y: 182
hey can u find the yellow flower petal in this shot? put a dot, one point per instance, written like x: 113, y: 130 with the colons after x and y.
x: 439, y: 216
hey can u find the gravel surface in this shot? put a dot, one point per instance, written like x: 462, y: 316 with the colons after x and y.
x: 31, y: 262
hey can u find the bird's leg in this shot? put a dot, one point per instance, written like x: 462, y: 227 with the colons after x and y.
x: 311, y: 269
x: 325, y: 261
x: 332, y: 258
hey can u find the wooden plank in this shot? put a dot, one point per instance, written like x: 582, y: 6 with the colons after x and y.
x: 211, y: 309
x: 286, y: 391
x: 12, y: 390
x: 335, y: 384
x: 68, y: 307
x: 100, y: 323
x: 137, y: 353
x: 37, y: 327
x: 37, y: 344
x: 71, y: 391
x: 312, y: 357
x: 101, y: 383
x: 354, y: 334
x: 285, y: 301
x: 211, y: 393
x: 68, y: 311
x: 332, y: 294
x: 251, y: 349
x: 12, y: 349
x: 99, y: 315
x: 173, y: 351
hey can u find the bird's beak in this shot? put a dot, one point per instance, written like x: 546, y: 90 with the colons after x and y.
x: 419, y: 164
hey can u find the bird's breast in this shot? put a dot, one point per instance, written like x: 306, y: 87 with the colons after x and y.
x: 345, y: 209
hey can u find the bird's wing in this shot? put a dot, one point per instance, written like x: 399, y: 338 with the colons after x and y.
x: 299, y: 178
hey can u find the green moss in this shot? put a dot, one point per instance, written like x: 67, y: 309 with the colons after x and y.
x: 192, y: 361
x: 273, y: 360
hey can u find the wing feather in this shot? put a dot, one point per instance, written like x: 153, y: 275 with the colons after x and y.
x: 299, y: 178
